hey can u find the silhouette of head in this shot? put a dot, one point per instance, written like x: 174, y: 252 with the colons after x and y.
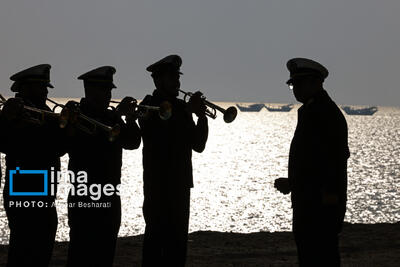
x: 32, y: 83
x: 306, y: 78
x: 166, y: 74
x: 98, y: 84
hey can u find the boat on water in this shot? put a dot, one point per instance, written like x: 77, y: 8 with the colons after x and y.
x: 284, y: 108
x: 250, y: 108
x: 360, y: 111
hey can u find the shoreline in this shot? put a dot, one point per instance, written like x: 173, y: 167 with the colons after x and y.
x: 360, y: 245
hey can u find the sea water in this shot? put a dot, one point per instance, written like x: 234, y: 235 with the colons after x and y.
x: 234, y: 176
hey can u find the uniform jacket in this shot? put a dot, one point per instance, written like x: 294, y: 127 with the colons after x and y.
x: 95, y: 154
x: 31, y: 146
x: 168, y: 144
x: 318, y: 154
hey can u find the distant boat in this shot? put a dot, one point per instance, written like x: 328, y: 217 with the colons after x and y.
x: 360, y: 111
x: 284, y: 108
x: 250, y: 108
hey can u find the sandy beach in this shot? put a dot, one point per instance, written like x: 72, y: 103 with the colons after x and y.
x: 361, y: 245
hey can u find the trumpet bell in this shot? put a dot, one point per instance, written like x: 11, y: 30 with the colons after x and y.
x: 230, y: 114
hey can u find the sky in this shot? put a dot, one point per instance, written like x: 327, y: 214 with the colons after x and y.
x: 231, y: 50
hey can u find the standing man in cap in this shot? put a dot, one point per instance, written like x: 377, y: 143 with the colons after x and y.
x: 167, y: 165
x: 94, y: 220
x: 317, y: 167
x: 30, y: 145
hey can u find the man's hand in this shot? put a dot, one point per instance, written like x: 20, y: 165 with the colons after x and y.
x: 13, y: 108
x: 196, y: 104
x: 282, y: 185
x: 72, y: 106
x: 127, y: 106
x: 70, y: 113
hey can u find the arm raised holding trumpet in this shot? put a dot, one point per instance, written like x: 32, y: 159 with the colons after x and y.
x: 209, y: 109
x: 70, y: 114
x: 16, y: 109
x: 128, y: 107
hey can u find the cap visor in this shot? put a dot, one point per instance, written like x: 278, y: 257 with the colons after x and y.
x: 14, y: 87
x: 50, y: 85
x: 297, y: 75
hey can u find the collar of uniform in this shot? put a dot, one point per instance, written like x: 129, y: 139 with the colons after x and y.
x: 311, y: 100
x: 158, y: 93
x: 319, y: 96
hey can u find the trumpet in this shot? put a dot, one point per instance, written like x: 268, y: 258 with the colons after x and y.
x: 164, y: 110
x: 93, y: 125
x: 229, y: 113
x: 41, y: 114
